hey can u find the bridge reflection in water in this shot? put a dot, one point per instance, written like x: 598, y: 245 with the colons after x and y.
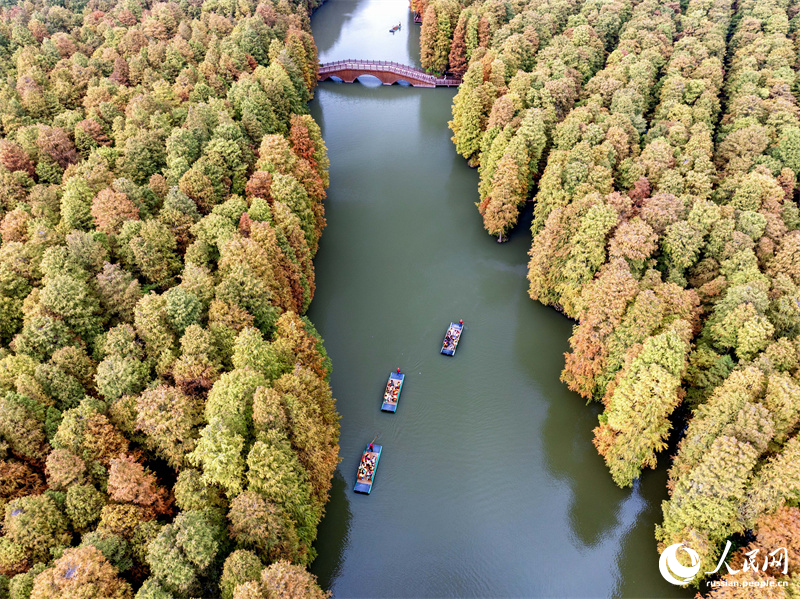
x: 388, y: 73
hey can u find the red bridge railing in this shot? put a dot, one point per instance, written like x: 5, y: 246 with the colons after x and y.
x: 373, y: 66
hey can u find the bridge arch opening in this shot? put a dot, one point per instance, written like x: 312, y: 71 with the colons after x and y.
x: 369, y: 80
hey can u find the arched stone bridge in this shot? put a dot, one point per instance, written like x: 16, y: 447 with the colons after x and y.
x: 388, y: 73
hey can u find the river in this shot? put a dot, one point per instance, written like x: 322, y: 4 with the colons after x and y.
x: 488, y: 485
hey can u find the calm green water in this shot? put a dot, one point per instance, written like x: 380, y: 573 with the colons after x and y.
x: 489, y: 485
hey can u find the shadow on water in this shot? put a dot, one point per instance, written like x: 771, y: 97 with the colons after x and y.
x: 633, y: 563
x: 335, y: 18
x: 431, y: 120
x: 335, y: 529
x: 567, y: 431
x: 595, y: 498
x: 637, y: 566
x: 413, y: 39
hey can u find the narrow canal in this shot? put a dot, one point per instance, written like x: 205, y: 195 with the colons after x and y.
x: 489, y: 485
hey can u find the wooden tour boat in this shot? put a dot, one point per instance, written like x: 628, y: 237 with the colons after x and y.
x: 392, y: 392
x: 452, y: 338
x: 365, y: 475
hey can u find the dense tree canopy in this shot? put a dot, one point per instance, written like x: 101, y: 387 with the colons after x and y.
x: 161, y: 204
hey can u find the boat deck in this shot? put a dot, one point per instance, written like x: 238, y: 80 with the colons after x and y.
x: 364, y: 483
x: 451, y: 338
x: 391, y: 394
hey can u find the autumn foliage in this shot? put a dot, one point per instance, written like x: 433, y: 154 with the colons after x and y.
x: 161, y: 206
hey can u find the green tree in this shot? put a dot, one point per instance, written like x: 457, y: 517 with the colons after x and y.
x: 706, y: 499
x: 182, y: 307
x: 153, y: 327
x: 170, y: 420
x: 153, y: 249
x: 191, y: 493
x: 84, y: 504
x: 428, y: 38
x: 263, y: 527
x: 779, y: 400
x: 187, y: 550
x: 635, y: 425
x: 254, y: 353
x: 76, y: 204
x: 119, y: 291
x: 21, y: 585
x: 33, y: 525
x: 220, y: 453
x: 240, y: 567
x: 22, y: 426
x: 117, y: 376
x: 773, y: 486
x: 73, y: 301
x: 470, y: 112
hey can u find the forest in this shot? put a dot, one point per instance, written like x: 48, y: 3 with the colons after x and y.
x: 659, y: 145
x: 166, y: 421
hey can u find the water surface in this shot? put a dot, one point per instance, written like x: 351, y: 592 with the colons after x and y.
x: 488, y: 485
